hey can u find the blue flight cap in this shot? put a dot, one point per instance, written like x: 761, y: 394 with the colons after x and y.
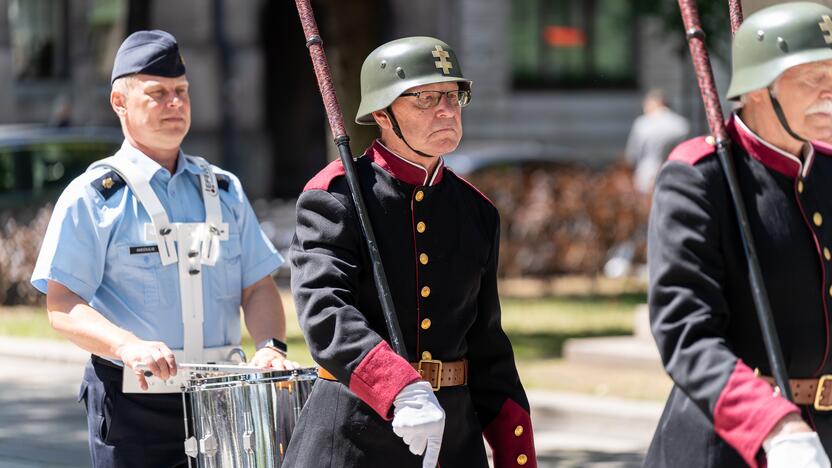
x: 150, y: 52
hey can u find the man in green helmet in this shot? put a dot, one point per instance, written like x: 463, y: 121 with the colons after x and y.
x: 723, y: 410
x: 439, y: 239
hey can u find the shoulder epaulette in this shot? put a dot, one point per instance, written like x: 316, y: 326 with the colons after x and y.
x: 223, y: 182
x: 694, y: 150
x: 108, y: 184
x: 323, y: 179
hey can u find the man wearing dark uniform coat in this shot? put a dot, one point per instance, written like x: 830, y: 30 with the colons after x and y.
x: 723, y: 410
x: 439, y: 240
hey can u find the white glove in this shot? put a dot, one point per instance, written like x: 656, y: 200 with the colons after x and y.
x: 796, y: 450
x: 419, y: 421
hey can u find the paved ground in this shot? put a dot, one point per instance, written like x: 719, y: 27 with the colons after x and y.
x: 42, y: 425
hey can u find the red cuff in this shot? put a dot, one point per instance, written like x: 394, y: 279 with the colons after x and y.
x: 747, y: 410
x: 380, y: 376
x: 511, y: 437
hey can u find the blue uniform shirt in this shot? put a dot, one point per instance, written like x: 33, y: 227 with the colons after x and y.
x: 90, y: 247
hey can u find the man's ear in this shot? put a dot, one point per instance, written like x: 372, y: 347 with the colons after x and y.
x: 118, y: 101
x: 383, y: 119
x: 757, y: 96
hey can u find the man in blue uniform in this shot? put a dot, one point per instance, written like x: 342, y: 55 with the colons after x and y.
x: 146, y: 262
x: 439, y: 242
x: 723, y: 411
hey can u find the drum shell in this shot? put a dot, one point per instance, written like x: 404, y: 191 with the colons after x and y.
x: 244, y: 420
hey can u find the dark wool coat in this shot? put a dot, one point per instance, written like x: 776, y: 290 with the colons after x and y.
x: 439, y: 239
x: 701, y: 308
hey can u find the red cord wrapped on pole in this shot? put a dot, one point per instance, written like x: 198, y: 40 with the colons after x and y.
x: 336, y: 124
x: 702, y: 65
x: 735, y: 11
x: 710, y: 97
x: 321, y: 66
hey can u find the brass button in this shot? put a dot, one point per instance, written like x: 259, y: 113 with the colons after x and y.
x: 107, y: 183
x: 423, y: 259
x: 425, y: 324
x: 522, y: 459
x: 518, y: 431
x: 420, y: 195
x: 799, y: 186
x: 817, y: 219
x: 827, y: 254
x: 426, y: 356
x: 710, y: 140
x: 425, y: 291
x: 420, y: 227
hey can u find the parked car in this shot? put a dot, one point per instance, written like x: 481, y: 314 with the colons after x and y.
x: 38, y: 162
x: 474, y: 156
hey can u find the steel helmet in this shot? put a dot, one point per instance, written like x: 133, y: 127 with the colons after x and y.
x: 402, y: 64
x: 777, y: 38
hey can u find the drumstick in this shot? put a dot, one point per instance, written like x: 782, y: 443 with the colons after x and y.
x: 226, y: 368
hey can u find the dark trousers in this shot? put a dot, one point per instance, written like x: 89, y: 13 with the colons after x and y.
x: 130, y: 430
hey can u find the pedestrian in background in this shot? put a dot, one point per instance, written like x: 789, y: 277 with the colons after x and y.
x: 653, y: 135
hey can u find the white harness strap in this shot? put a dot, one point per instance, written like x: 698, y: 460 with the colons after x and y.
x: 190, y: 289
x: 215, y: 229
x: 140, y: 185
x: 197, y: 245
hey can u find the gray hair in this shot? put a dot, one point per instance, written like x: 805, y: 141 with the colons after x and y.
x: 124, y: 84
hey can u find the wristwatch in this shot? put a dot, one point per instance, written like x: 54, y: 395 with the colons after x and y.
x: 274, y: 344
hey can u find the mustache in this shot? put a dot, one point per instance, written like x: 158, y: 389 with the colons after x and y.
x: 820, y: 107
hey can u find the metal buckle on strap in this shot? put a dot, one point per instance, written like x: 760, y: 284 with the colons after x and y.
x: 438, y: 383
x: 819, y: 393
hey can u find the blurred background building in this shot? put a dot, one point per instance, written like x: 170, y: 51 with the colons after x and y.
x: 565, y: 72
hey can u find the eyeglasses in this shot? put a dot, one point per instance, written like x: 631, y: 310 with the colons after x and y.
x: 428, y: 99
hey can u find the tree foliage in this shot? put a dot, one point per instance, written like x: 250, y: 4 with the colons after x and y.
x: 712, y: 14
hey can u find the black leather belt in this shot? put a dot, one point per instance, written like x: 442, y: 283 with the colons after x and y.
x: 103, y: 362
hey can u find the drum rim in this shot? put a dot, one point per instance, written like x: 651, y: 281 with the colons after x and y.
x: 250, y: 378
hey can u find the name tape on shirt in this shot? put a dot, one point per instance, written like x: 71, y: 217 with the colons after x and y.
x: 144, y: 249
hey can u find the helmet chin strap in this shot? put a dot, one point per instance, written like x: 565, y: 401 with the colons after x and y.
x: 781, y: 116
x: 398, y: 132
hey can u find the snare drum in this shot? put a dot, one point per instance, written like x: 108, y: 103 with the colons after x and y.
x: 243, y: 420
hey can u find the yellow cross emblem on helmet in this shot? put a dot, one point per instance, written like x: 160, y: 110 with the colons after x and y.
x: 442, y: 60
x: 826, y: 27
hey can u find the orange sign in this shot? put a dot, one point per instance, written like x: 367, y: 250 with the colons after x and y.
x: 564, y: 36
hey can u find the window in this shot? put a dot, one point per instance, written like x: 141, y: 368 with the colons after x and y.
x: 107, y: 21
x: 573, y: 44
x: 39, y: 39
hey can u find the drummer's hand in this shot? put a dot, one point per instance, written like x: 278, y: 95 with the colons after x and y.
x: 154, y: 355
x: 271, y: 358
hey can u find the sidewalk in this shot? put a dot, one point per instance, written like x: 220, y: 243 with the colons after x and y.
x: 570, y: 429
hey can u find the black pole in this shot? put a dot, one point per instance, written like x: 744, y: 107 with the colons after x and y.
x: 713, y: 109
x: 336, y: 123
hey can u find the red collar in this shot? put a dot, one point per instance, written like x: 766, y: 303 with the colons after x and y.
x: 769, y: 155
x: 402, y: 169
x: 822, y: 147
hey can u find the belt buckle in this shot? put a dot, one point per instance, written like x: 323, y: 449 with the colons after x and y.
x: 819, y: 393
x: 438, y: 385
